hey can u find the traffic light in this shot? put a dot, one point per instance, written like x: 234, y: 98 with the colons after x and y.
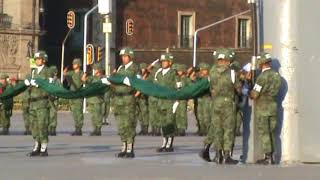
x: 129, y: 27
x: 90, y: 54
x: 100, y: 53
x: 71, y: 19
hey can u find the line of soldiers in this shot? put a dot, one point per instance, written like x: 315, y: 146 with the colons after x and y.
x: 218, y: 111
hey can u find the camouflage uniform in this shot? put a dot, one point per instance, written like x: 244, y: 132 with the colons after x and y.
x: 142, y: 108
x: 203, y: 107
x: 124, y: 104
x: 95, y: 104
x: 76, y: 105
x: 265, y: 93
x: 106, y: 108
x: 25, y: 111
x: 166, y: 77
x: 223, y: 86
x: 39, y: 108
x: 53, y: 104
x: 5, y: 107
x: 181, y: 115
x: 152, y: 107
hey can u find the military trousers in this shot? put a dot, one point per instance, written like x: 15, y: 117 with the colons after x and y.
x: 204, y: 114
x: 26, y: 118
x: 39, y: 122
x: 96, y: 112
x: 76, y: 107
x: 53, y: 115
x: 266, y: 129
x: 181, y: 116
x: 124, y: 112
x: 142, y: 113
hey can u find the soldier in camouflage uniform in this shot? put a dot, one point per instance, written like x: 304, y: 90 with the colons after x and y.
x: 224, y: 84
x: 181, y: 116
x: 203, y: 107
x: 95, y: 102
x: 76, y: 105
x: 25, y: 109
x: 39, y: 105
x: 265, y: 92
x: 142, y: 104
x: 125, y: 104
x: 53, y: 104
x: 166, y: 76
x: 5, y: 106
x: 153, y: 106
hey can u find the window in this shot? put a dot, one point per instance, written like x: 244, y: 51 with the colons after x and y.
x: 243, y: 33
x: 186, y: 28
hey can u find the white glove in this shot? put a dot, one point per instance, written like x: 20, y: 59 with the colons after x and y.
x: 155, y: 62
x: 179, y: 85
x: 139, y: 76
x: 126, y: 81
x: 27, y: 82
x: 175, y: 107
x: 33, y: 83
x: 50, y: 80
x: 105, y: 81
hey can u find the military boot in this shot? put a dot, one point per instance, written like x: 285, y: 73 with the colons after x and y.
x: 228, y: 159
x: 268, y: 159
x: 205, y: 153
x: 130, y: 151
x: 36, y: 150
x: 123, y: 151
x: 169, y: 146
x: 218, y: 158
x: 164, y: 144
x: 44, y: 150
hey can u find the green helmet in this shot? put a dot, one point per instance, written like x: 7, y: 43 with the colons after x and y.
x: 226, y: 54
x: 143, y: 66
x: 77, y: 61
x: 235, y: 65
x: 127, y: 52
x: 204, y: 66
x: 264, y: 58
x: 181, y: 67
x: 97, y: 66
x: 41, y: 54
x: 166, y: 57
x: 53, y: 69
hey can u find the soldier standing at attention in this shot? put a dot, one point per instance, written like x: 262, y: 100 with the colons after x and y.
x: 76, y: 105
x: 142, y: 104
x: 53, y: 104
x: 125, y: 104
x: 25, y: 109
x: 224, y: 84
x: 166, y: 76
x: 39, y: 101
x: 95, y: 102
x: 181, y: 116
x: 5, y: 106
x: 265, y: 92
x: 203, y: 107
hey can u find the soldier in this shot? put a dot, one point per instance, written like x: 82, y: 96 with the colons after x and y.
x: 106, y: 108
x: 142, y: 104
x: 95, y: 102
x: 166, y: 76
x: 5, y: 106
x: 152, y: 104
x: 53, y: 104
x: 181, y: 116
x: 25, y: 109
x: 204, y: 103
x: 74, y: 79
x: 224, y: 84
x: 265, y: 92
x: 125, y: 104
x: 39, y: 105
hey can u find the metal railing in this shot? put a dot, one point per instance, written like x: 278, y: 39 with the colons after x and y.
x: 5, y: 21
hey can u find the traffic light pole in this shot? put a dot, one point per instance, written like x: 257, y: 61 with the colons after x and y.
x: 107, y: 48
x: 85, y: 48
x: 62, y: 54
